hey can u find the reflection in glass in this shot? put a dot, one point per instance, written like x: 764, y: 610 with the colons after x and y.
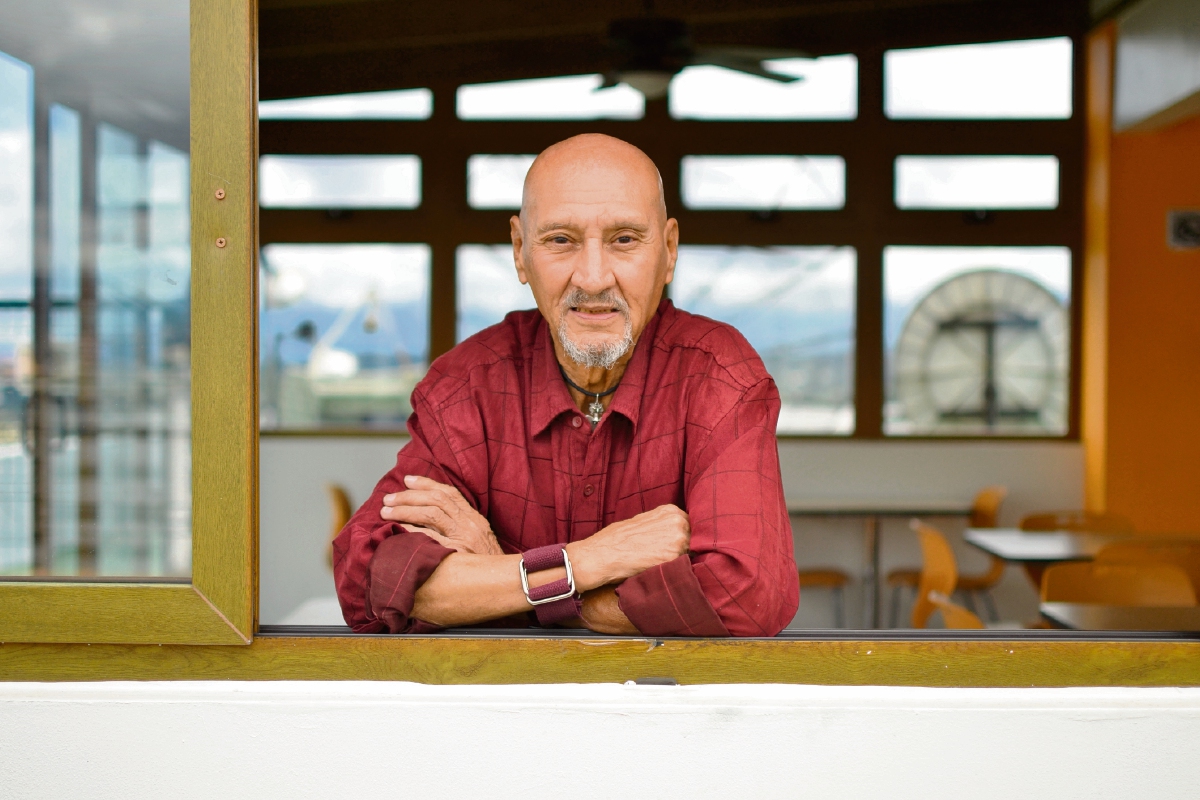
x: 977, y: 340
x: 343, y: 333
x: 496, y: 181
x: 568, y: 97
x: 488, y: 287
x: 763, y: 182
x: 401, y: 104
x: 828, y: 89
x: 339, y: 181
x: 1028, y: 79
x: 976, y: 182
x: 795, y: 305
x: 95, y: 459
x: 16, y: 321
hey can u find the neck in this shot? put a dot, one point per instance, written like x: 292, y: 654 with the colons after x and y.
x: 595, y: 380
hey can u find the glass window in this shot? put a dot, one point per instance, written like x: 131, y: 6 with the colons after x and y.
x: 1028, y: 79
x: 402, y: 104
x: 496, y: 181
x: 795, y: 305
x: 977, y: 182
x: 827, y: 89
x: 569, y: 97
x: 340, y: 181
x: 343, y: 333
x: 977, y: 340
x: 763, y: 182
x: 488, y: 287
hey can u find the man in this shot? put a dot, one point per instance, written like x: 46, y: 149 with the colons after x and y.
x: 605, y: 461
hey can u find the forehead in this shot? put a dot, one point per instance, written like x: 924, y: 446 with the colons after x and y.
x: 592, y: 191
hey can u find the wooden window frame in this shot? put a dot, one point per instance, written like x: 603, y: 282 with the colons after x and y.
x: 85, y: 631
x: 218, y: 605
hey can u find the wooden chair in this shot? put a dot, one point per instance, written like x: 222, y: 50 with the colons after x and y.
x: 342, y: 508
x: 1181, y: 553
x: 1076, y: 521
x: 985, y: 513
x: 835, y: 581
x: 953, y: 615
x: 939, y: 572
x: 1117, y: 584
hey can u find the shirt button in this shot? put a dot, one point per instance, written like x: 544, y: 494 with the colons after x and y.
x: 576, y: 422
x: 587, y: 490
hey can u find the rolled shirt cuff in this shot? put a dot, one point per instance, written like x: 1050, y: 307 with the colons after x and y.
x: 401, y: 564
x: 667, y: 601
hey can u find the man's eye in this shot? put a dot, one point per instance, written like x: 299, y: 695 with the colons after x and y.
x: 559, y: 240
x: 624, y: 239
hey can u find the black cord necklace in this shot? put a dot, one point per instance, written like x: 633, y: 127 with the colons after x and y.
x: 595, y: 408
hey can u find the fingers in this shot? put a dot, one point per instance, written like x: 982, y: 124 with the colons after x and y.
x: 430, y: 516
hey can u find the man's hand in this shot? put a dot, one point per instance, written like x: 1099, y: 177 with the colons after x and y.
x: 442, y: 513
x: 631, y: 546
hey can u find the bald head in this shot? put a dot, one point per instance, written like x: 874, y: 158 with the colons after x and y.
x: 594, y: 161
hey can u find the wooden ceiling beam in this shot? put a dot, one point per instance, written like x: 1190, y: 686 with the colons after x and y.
x: 681, y: 137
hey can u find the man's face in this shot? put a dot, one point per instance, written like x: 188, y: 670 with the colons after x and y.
x: 594, y: 245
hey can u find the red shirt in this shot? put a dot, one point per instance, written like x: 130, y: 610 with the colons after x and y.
x: 692, y: 423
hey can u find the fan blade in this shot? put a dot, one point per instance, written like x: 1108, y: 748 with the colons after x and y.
x: 748, y: 52
x: 748, y: 65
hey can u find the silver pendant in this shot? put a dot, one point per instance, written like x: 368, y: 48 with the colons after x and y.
x: 595, y: 411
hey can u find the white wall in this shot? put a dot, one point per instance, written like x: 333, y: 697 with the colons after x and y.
x: 1157, y: 64
x: 365, y: 740
x: 295, y: 509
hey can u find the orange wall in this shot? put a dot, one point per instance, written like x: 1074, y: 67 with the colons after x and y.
x: 1152, y: 414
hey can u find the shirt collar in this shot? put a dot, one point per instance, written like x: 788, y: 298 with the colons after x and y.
x: 549, y: 396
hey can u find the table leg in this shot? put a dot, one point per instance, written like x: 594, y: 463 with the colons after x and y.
x: 871, y: 616
x: 1034, y: 570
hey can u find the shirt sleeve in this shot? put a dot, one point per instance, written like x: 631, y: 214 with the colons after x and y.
x: 739, y: 577
x: 379, y: 565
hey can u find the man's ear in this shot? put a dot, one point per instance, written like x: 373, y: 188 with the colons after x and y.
x: 518, y: 241
x: 671, y: 239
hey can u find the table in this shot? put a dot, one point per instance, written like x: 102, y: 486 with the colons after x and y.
x: 872, y: 510
x: 1091, y: 617
x: 1036, y: 550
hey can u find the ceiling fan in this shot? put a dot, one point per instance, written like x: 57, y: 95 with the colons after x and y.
x: 646, y: 52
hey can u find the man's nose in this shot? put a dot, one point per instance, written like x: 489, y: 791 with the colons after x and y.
x: 593, y: 273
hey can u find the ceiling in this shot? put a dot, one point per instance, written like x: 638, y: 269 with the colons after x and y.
x: 313, y: 47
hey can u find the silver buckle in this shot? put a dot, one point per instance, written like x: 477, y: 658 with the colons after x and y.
x: 570, y: 583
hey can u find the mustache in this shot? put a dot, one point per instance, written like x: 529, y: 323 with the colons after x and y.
x: 578, y: 297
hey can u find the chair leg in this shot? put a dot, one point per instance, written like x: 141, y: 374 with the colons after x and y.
x: 990, y: 604
x: 839, y: 609
x: 895, y: 606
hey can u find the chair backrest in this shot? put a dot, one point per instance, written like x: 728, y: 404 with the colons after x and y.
x: 342, y: 508
x: 939, y: 571
x: 954, y: 615
x: 1182, y: 553
x: 1076, y: 521
x: 1117, y: 584
x: 985, y: 511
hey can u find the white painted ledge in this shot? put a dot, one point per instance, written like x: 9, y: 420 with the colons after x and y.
x: 362, y: 740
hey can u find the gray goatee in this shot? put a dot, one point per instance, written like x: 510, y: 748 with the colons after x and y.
x: 604, y: 355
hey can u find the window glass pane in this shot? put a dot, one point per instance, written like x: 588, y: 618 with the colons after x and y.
x: 1028, y: 79
x: 488, y: 287
x: 402, y: 104
x: 496, y: 181
x: 977, y: 182
x: 343, y: 333
x: 569, y: 97
x: 827, y: 89
x: 110, y: 426
x: 763, y: 182
x: 795, y: 305
x: 977, y: 340
x: 340, y: 181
